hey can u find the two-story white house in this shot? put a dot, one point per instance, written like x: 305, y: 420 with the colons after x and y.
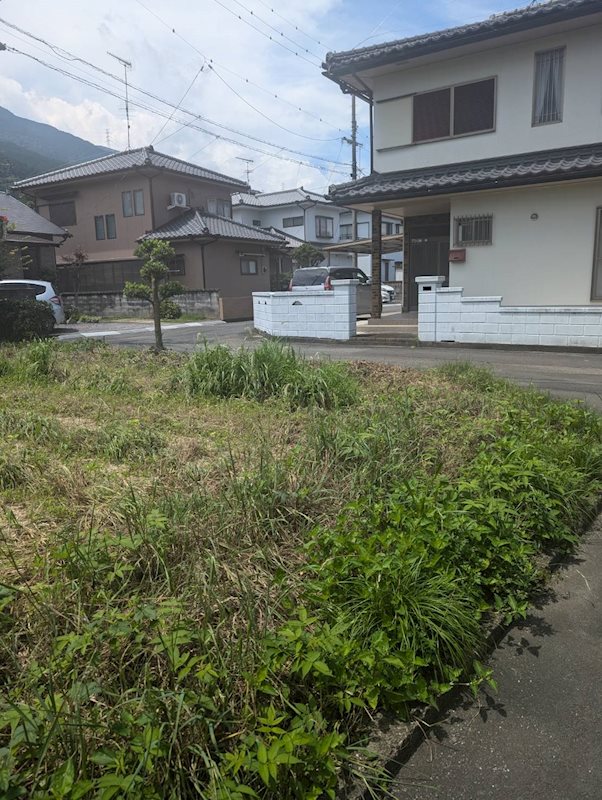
x: 487, y: 140
x: 305, y: 216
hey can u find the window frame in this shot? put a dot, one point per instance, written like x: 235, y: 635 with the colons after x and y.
x: 343, y: 231
x: 63, y: 203
x: 534, y: 123
x: 100, y: 219
x: 451, y: 87
x: 107, y: 217
x: 473, y: 242
x: 138, y: 193
x: 256, y: 223
x: 286, y: 222
x: 597, y: 260
x: 322, y: 217
x: 249, y: 259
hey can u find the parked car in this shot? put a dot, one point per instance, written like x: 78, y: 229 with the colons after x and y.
x: 42, y: 290
x: 321, y: 277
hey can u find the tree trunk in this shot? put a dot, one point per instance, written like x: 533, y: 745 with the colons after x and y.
x: 377, y: 300
x: 156, y: 301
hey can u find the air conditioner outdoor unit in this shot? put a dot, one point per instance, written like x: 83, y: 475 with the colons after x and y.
x: 177, y: 200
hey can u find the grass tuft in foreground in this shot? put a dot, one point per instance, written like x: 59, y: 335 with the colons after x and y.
x: 209, y: 583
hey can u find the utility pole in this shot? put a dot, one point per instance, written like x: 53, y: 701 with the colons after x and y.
x: 126, y: 65
x: 248, y: 162
x: 353, y: 142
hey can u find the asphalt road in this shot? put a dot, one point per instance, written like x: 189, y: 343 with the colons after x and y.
x: 566, y: 375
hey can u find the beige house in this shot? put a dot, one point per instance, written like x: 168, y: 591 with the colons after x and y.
x: 109, y: 204
x: 487, y: 140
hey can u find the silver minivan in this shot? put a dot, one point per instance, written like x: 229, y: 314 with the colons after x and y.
x: 320, y: 277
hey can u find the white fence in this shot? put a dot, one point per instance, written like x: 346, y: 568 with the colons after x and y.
x: 312, y: 313
x: 445, y: 315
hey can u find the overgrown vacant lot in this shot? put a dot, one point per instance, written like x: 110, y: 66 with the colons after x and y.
x: 213, y: 570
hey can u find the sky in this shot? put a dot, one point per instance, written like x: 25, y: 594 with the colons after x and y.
x: 252, y: 66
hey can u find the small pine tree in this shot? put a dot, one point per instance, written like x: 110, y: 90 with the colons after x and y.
x: 306, y: 255
x: 156, y: 255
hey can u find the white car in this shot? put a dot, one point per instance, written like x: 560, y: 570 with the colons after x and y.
x: 44, y: 292
x: 320, y: 277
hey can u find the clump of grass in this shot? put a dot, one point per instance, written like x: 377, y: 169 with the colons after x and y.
x: 271, y: 370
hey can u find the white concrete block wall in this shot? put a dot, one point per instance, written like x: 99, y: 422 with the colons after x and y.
x: 311, y: 313
x: 445, y: 315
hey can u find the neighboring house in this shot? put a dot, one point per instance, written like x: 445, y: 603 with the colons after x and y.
x: 110, y: 203
x: 29, y: 238
x: 487, y: 140
x: 311, y: 217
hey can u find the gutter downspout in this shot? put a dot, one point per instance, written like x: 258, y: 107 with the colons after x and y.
x: 203, y: 245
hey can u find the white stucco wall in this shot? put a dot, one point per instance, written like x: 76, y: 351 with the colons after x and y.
x: 513, y: 65
x: 547, y: 261
x: 308, y: 314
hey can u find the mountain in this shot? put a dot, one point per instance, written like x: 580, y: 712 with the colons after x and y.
x: 29, y: 148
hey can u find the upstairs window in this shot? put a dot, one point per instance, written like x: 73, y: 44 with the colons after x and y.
x: 63, y: 214
x: 345, y: 231
x: 292, y: 222
x: 324, y: 227
x: 456, y: 111
x: 257, y: 223
x: 132, y: 203
x: 470, y: 231
x: 220, y: 207
x: 548, y: 86
x: 105, y: 227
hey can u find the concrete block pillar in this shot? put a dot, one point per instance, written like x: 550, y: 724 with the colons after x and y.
x: 345, y: 309
x: 427, y: 306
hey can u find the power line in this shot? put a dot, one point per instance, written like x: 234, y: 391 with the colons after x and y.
x: 267, y: 35
x: 155, y: 97
x: 163, y: 114
x: 190, y: 85
x: 68, y: 56
x: 213, y: 62
x: 292, y: 24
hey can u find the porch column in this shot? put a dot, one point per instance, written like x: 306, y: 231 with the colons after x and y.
x: 377, y: 251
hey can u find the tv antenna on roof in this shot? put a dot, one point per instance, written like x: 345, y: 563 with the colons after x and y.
x: 247, y: 161
x: 126, y: 65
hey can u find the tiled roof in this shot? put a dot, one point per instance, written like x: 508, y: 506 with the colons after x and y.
x: 196, y: 223
x: 25, y: 219
x: 584, y: 161
x: 291, y: 241
x: 129, y: 159
x: 531, y: 16
x: 283, y: 198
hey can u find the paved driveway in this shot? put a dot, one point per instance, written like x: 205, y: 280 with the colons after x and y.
x: 566, y: 375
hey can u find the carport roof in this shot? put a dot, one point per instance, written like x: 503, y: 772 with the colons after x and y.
x: 391, y: 243
x: 198, y: 224
x: 543, y: 166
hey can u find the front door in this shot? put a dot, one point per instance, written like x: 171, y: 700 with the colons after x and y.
x: 426, y: 253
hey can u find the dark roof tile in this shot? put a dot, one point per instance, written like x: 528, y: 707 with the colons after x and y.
x: 25, y: 219
x: 196, y: 223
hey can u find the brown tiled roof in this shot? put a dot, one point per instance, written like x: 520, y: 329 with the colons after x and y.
x: 531, y: 16
x: 198, y: 224
x: 129, y: 159
x: 583, y: 161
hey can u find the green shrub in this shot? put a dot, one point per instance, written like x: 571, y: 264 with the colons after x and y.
x: 21, y: 320
x: 271, y: 370
x: 170, y: 309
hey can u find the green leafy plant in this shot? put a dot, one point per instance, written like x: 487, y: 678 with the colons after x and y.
x: 21, y: 320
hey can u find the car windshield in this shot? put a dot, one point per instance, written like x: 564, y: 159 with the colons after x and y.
x: 309, y: 276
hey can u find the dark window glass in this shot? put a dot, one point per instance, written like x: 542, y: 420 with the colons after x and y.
x: 345, y: 231
x: 139, y: 203
x: 127, y: 204
x: 111, y: 227
x: 324, y: 227
x: 548, y: 86
x: 178, y: 265
x: 257, y: 223
x: 431, y: 117
x: 473, y: 230
x: 99, y: 224
x: 474, y: 107
x: 248, y: 266
x: 63, y: 214
x: 292, y: 222
x: 309, y: 276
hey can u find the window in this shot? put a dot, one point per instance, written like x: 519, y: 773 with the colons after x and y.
x: 324, y: 227
x: 99, y: 224
x: 292, y: 222
x: 363, y: 230
x: 548, y: 85
x: 219, y: 206
x: 257, y: 223
x: 456, y: 111
x: 132, y: 203
x: 597, y: 275
x: 177, y: 266
x: 391, y: 228
x: 111, y: 227
x: 248, y: 266
x: 473, y: 230
x: 105, y: 227
x: 346, y: 231
x: 63, y: 214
